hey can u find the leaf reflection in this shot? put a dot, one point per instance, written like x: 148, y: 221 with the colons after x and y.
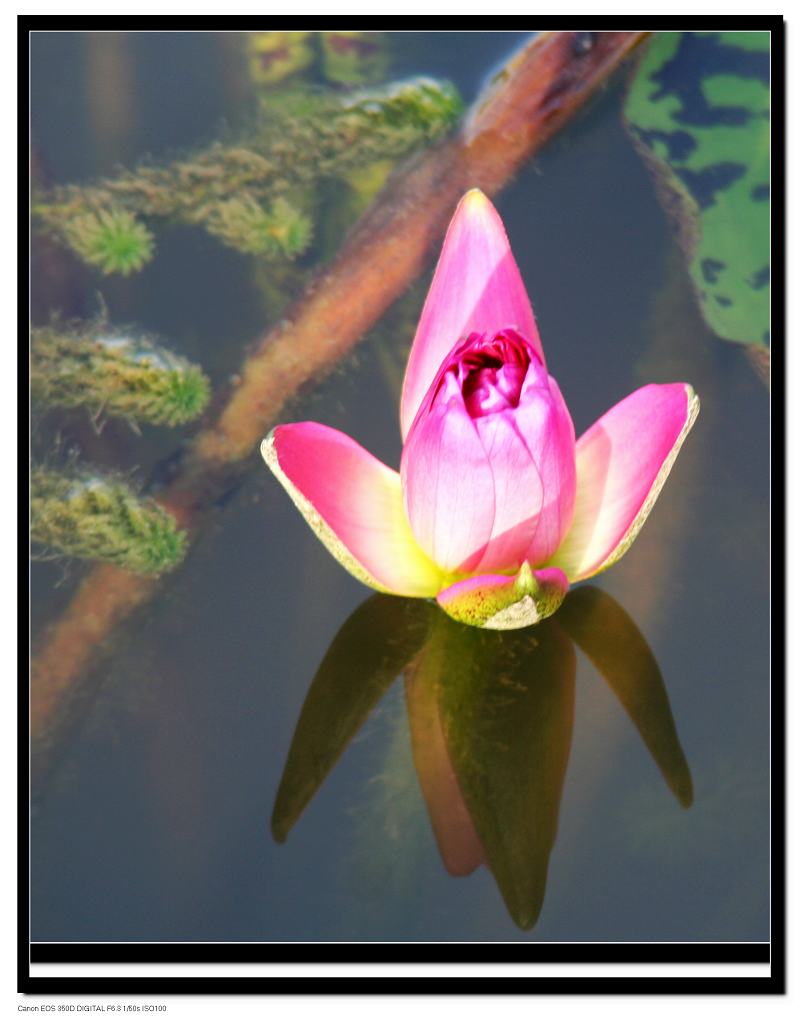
x: 505, y: 709
x: 368, y: 653
x: 491, y: 722
x: 617, y: 649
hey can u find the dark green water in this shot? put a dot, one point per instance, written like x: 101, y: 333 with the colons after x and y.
x: 154, y: 820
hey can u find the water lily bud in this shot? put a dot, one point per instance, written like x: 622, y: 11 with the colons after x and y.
x: 489, y: 465
x: 497, y: 508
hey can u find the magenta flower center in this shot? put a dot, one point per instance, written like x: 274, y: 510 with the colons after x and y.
x: 489, y: 371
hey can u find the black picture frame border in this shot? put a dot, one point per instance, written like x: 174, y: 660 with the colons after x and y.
x: 401, y: 952
x: 772, y: 952
x: 408, y: 986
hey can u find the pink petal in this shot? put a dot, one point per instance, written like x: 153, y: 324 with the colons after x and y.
x: 543, y: 422
x: 532, y: 452
x: 448, y: 487
x: 505, y: 602
x: 518, y: 489
x: 353, y: 503
x: 476, y: 287
x: 622, y: 461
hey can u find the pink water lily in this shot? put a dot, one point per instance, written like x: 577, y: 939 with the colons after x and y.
x: 497, y: 509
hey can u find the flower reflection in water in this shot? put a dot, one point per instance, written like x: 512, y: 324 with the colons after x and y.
x: 491, y: 722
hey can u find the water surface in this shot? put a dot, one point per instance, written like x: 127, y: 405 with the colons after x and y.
x: 155, y: 820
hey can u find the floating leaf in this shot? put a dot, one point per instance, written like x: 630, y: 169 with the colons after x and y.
x: 699, y: 111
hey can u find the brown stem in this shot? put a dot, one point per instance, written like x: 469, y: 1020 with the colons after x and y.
x: 759, y: 357
x: 533, y: 97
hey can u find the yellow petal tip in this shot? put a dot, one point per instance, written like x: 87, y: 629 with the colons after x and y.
x: 476, y: 202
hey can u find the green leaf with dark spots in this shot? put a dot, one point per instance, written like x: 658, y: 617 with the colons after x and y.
x: 699, y: 112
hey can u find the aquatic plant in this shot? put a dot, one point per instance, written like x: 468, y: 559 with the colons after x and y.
x: 115, y: 371
x: 111, y: 239
x: 274, y: 231
x: 313, y: 136
x: 283, y: 68
x: 496, y: 508
x: 95, y: 517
